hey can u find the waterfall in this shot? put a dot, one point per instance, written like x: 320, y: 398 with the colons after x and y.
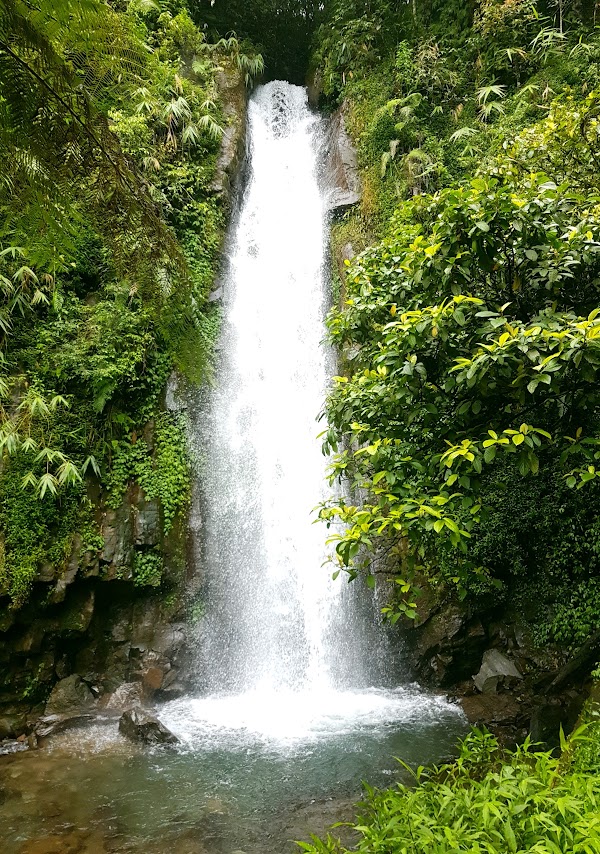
x: 273, y: 610
x: 282, y: 648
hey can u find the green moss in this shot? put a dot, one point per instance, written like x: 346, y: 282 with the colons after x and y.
x: 163, y: 472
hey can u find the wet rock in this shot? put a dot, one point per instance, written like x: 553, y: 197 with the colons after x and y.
x: 216, y: 295
x: 127, y: 696
x: 53, y: 724
x: 341, y: 164
x: 348, y: 252
x: 545, y: 723
x: 152, y: 670
x: 9, y: 746
x: 171, y: 685
x: 140, y: 726
x: 117, y: 532
x: 31, y: 640
x: 46, y: 573
x: 496, y: 669
x: 446, y: 644
x: 68, y: 694
x: 11, y: 725
x: 78, y: 612
x: 146, y: 619
x: 68, y: 573
x: 153, y: 678
x: 68, y: 843
x: 168, y: 640
x: 120, y: 629
x: 175, y: 393
x: 147, y: 526
x: 494, y: 709
x: 234, y: 98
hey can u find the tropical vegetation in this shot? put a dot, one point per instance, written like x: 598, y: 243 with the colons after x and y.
x: 110, y: 232
x: 466, y: 400
x: 488, y: 801
x: 465, y: 414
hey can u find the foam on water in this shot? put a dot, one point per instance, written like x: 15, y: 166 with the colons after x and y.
x: 284, y: 720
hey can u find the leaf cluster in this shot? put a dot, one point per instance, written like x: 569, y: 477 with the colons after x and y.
x: 486, y: 802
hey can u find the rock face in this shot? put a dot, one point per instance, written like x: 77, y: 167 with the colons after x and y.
x: 495, y: 668
x: 69, y: 694
x: 234, y: 98
x: 341, y: 164
x: 490, y: 663
x: 141, y: 726
x: 129, y: 695
x: 89, y: 628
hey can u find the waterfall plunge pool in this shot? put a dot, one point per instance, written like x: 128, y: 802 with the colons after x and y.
x: 251, y: 774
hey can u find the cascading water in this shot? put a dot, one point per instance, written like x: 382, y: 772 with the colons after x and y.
x: 284, y: 652
x: 276, y: 621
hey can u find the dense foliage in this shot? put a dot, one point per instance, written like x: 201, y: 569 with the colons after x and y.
x: 468, y: 332
x: 487, y: 802
x: 110, y: 231
x: 280, y: 29
x: 466, y: 415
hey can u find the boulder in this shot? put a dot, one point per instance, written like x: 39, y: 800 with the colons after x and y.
x: 495, y: 669
x: 127, y: 696
x: 494, y: 710
x: 446, y: 644
x: 68, y: 694
x: 140, y: 726
x: 172, y: 686
x: 53, y: 724
x: 153, y: 678
x: 11, y: 725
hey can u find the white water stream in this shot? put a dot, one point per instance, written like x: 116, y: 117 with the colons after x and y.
x: 285, y: 654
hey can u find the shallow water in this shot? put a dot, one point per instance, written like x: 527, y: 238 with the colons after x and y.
x: 236, y: 783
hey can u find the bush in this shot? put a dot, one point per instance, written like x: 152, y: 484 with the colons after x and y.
x: 486, y: 802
